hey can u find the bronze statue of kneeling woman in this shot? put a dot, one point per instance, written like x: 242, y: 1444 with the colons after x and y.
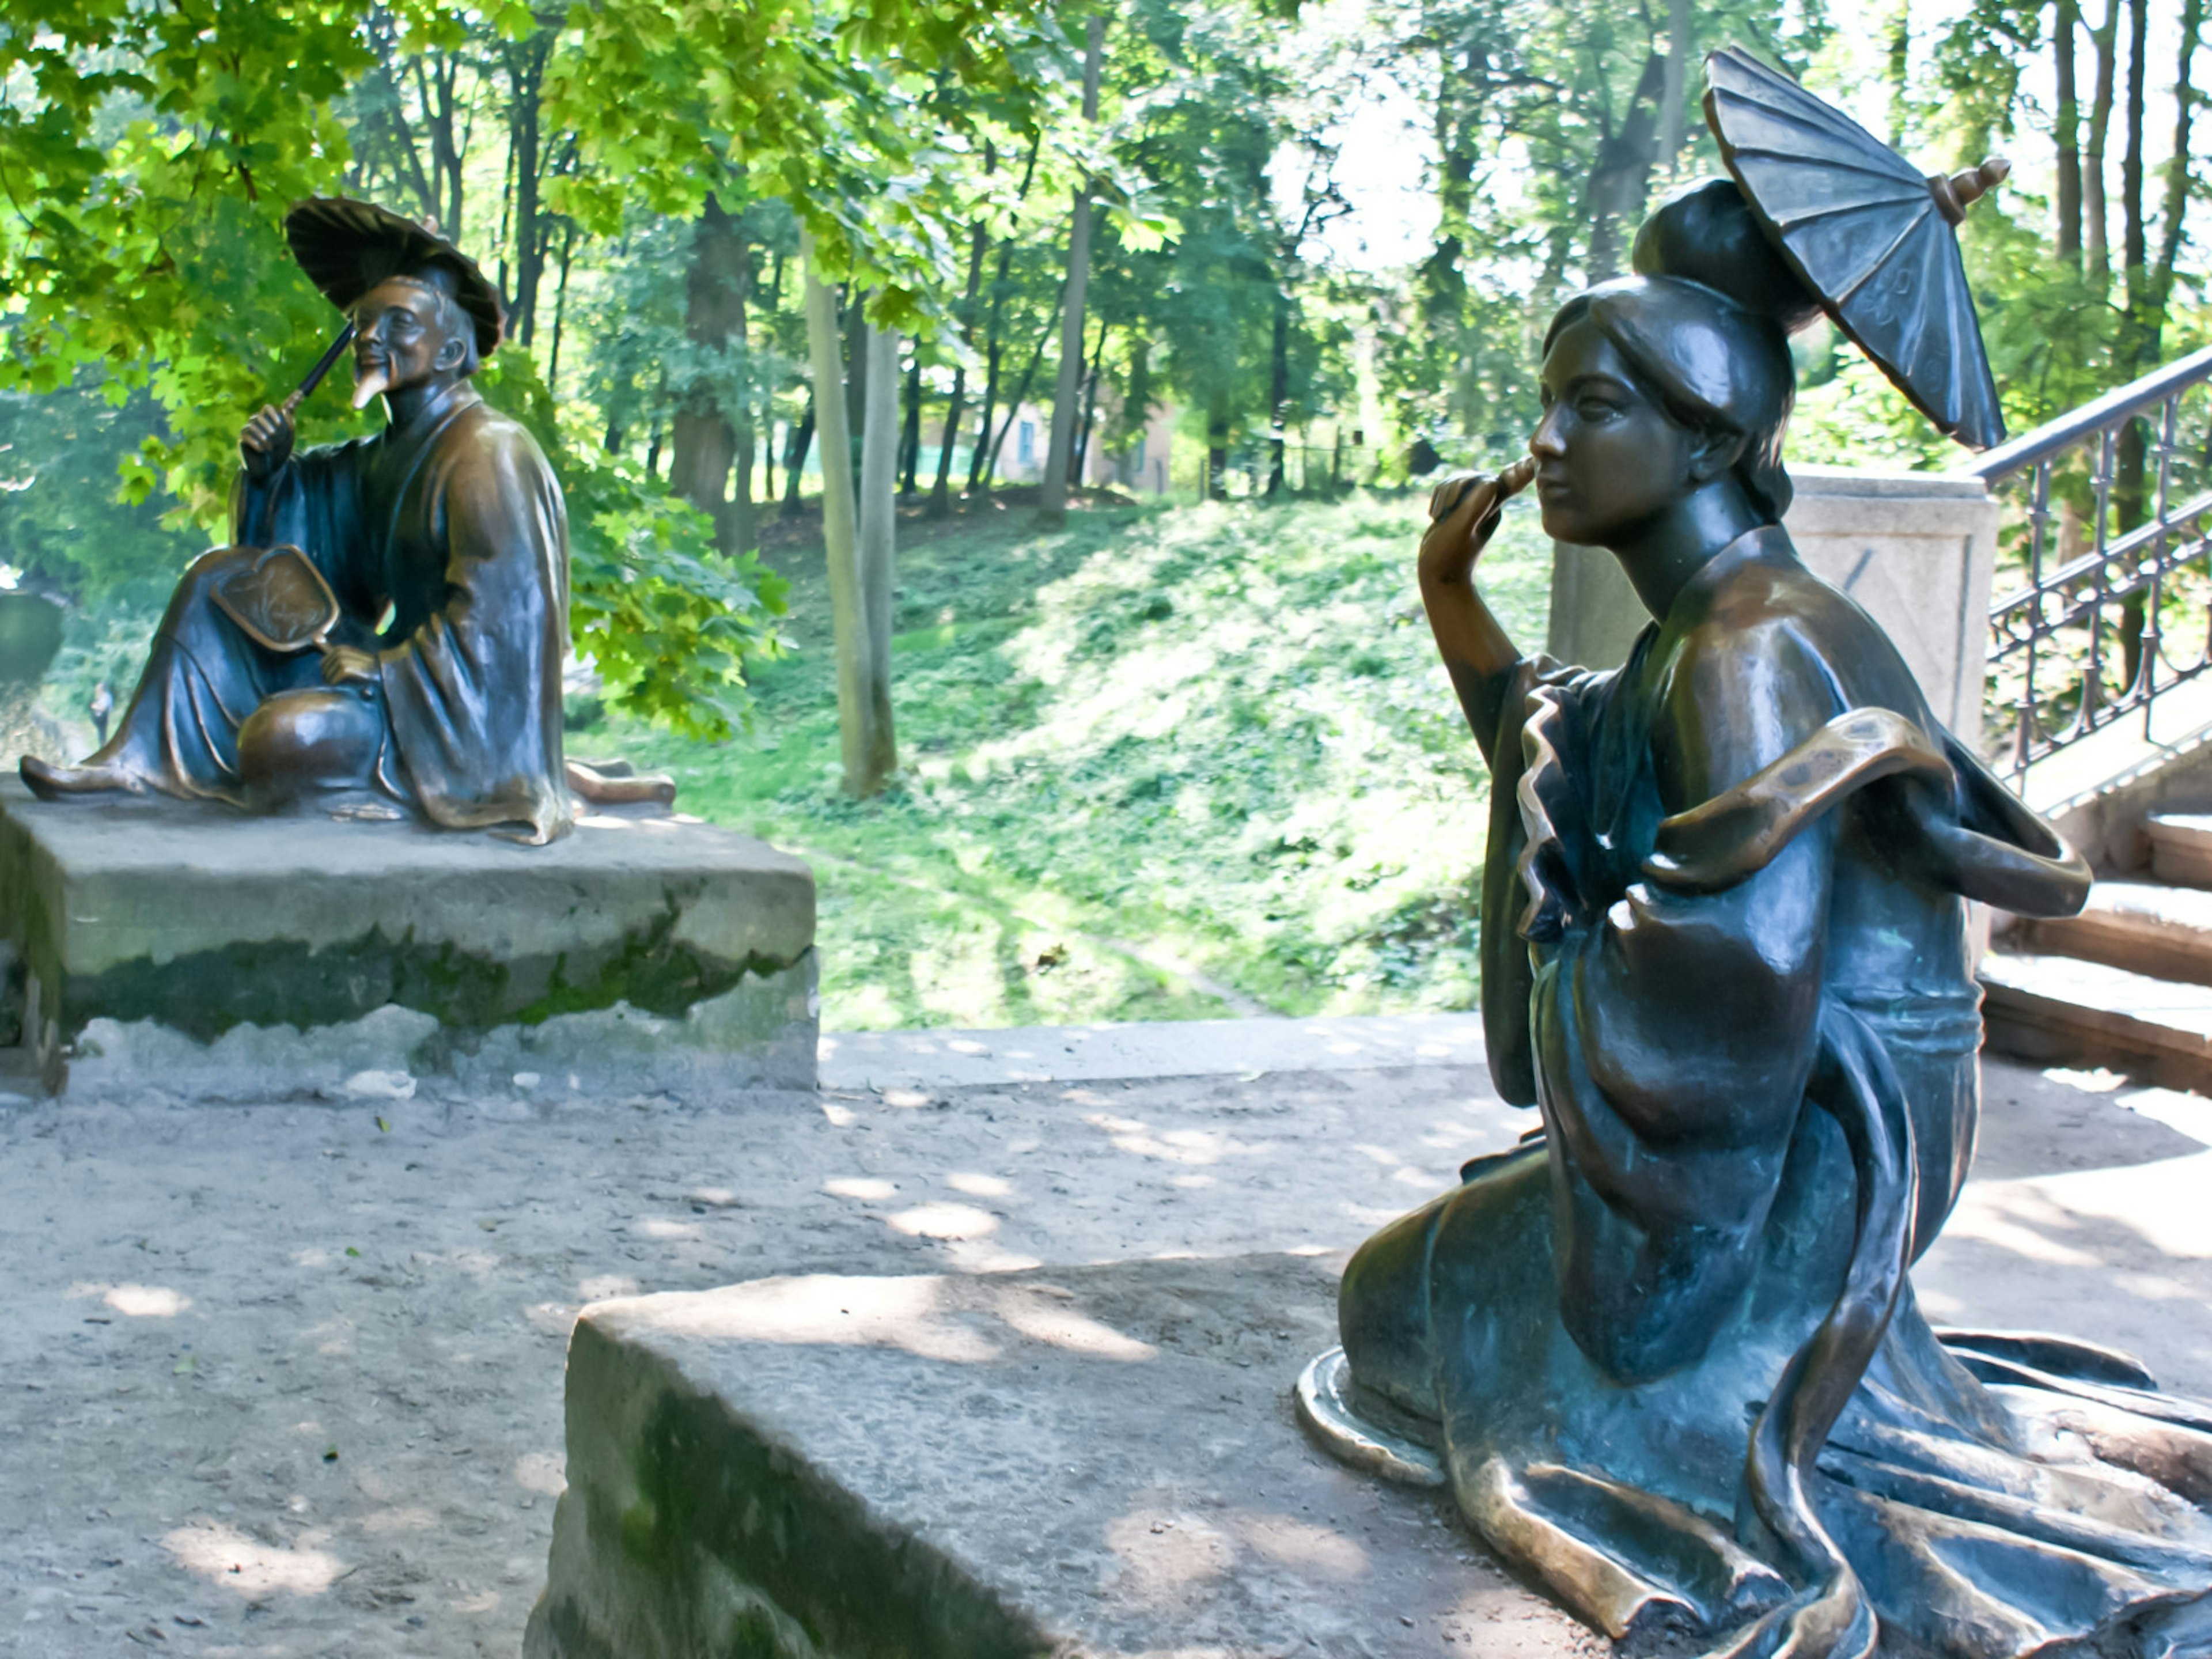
x: 1666, y: 1353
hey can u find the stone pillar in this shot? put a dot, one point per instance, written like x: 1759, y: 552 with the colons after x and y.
x: 1918, y: 549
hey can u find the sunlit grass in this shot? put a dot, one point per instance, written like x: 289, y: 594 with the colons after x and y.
x: 1165, y: 763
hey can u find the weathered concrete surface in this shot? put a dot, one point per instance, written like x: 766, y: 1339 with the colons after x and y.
x: 1082, y: 1462
x: 207, y: 953
x: 947, y: 1059
x: 198, y: 1303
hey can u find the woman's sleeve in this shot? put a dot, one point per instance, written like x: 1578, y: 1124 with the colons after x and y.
x: 1507, y: 977
x: 1675, y: 1031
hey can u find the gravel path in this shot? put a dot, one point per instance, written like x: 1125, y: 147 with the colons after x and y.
x: 286, y: 1380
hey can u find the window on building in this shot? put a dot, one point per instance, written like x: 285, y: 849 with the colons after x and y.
x: 1025, y: 443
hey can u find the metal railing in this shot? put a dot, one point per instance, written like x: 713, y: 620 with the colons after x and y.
x: 2085, y: 631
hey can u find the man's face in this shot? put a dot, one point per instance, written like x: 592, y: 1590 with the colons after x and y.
x: 402, y: 339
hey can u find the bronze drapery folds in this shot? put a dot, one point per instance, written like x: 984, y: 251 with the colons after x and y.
x: 1666, y: 1353
x: 440, y: 544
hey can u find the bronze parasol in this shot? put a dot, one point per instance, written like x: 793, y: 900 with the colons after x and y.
x: 1872, y: 236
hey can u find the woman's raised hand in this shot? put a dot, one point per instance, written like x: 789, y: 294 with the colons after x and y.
x: 1463, y: 514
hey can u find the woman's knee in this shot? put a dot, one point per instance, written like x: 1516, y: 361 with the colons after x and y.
x: 1382, y: 1311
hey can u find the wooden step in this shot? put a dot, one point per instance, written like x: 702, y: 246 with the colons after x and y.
x: 2062, y: 1010
x: 2146, y: 928
x: 2180, y: 847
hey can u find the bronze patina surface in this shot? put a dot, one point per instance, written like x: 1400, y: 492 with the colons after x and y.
x: 441, y: 546
x: 1666, y: 1354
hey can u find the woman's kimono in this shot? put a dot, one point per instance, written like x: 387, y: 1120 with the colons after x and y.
x: 1665, y: 1352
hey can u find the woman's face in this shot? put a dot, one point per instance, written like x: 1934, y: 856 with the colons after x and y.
x: 1608, y: 456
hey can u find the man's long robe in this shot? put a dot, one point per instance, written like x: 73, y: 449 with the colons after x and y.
x: 456, y: 525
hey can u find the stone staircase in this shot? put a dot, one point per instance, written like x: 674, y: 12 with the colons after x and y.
x: 2126, y: 984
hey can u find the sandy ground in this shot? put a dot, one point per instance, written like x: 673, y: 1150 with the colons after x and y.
x: 286, y: 1380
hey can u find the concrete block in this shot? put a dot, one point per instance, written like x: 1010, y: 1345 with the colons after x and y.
x: 211, y: 955
x: 1099, y: 1461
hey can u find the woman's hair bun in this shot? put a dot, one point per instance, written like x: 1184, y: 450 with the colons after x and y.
x: 1705, y: 234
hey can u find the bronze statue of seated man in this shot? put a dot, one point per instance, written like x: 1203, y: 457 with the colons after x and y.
x: 435, y: 688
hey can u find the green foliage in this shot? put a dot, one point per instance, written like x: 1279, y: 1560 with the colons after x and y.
x: 1158, y: 754
x: 64, y: 528
x: 1547, y: 120
x: 149, y: 150
x: 643, y: 361
x: 672, y: 625
x: 856, y: 116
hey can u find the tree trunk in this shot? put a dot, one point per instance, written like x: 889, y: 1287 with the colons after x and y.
x: 1052, y: 499
x: 2066, y: 132
x: 439, y: 85
x: 2150, y: 283
x: 743, y: 514
x: 767, y: 445
x: 1279, y: 389
x: 2137, y: 329
x: 561, y: 305
x: 940, y: 492
x: 911, y: 437
x: 2175, y: 207
x: 979, y: 466
x: 1216, y: 481
x: 856, y: 375
x: 877, y: 532
x: 1090, y: 409
x: 1620, y: 175
x: 993, y: 346
x: 1900, y: 71
x: 706, y: 440
x: 2134, y: 229
x: 859, y: 699
x: 525, y: 72
x: 1021, y: 390
x: 794, y: 456
x: 1676, y: 89
x: 2096, y: 221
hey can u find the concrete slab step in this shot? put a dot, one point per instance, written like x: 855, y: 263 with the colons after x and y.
x: 1085, y: 1461
x: 2180, y: 847
x: 2144, y: 927
x: 2063, y: 1010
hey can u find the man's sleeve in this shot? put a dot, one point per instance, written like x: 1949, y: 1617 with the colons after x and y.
x: 475, y: 691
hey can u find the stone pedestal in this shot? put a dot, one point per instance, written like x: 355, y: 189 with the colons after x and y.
x: 1918, y: 549
x: 207, y: 954
x: 1082, y: 1463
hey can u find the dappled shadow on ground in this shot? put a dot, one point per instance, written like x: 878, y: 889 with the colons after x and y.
x: 329, y: 1354
x: 291, y: 1326
x: 2086, y: 1215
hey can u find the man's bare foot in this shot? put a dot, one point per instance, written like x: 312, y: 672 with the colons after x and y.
x: 50, y: 782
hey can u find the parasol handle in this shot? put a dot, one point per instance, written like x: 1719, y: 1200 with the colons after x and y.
x: 323, y: 364
x: 1955, y: 194
x: 293, y: 399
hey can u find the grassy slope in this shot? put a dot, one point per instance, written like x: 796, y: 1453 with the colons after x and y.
x: 1169, y: 762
